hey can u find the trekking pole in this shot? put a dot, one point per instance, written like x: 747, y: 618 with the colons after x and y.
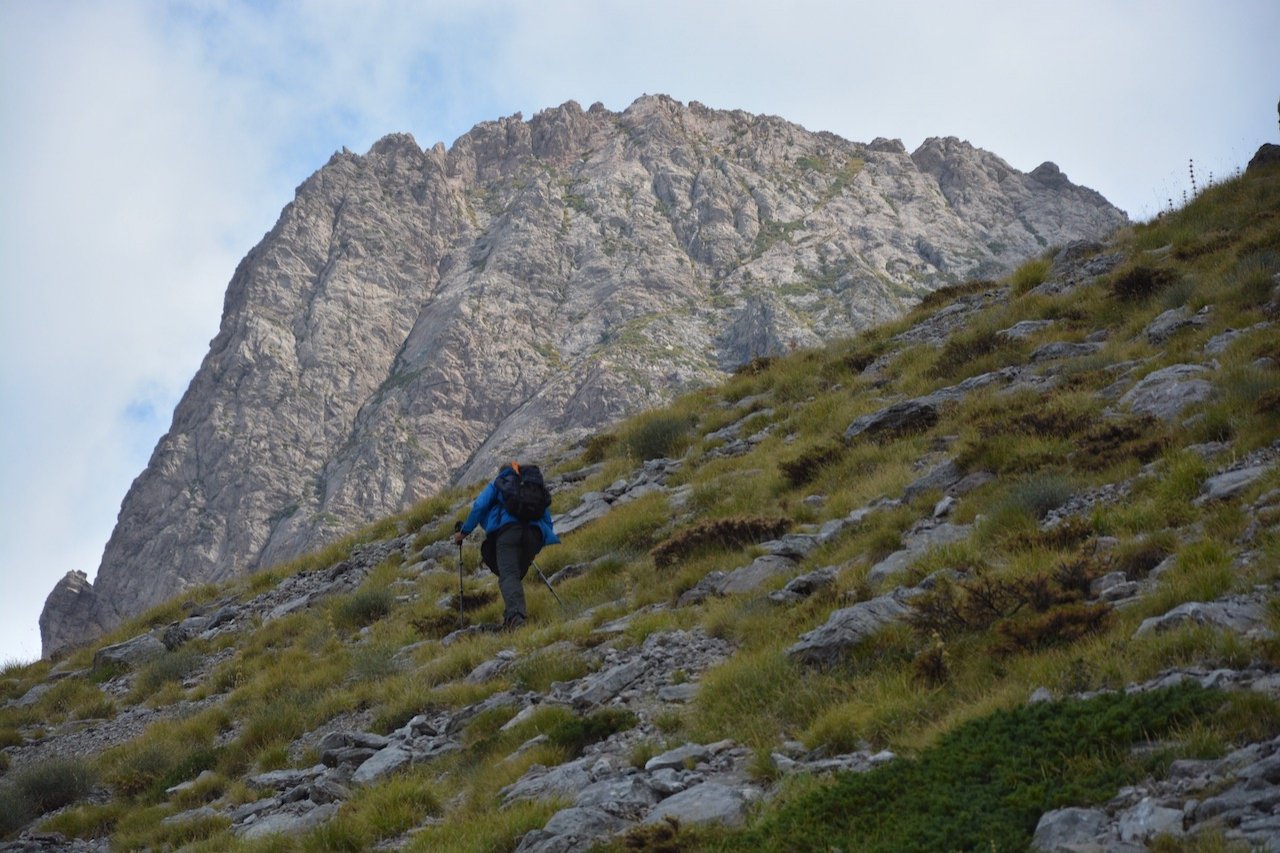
x: 550, y: 587
x: 462, y: 621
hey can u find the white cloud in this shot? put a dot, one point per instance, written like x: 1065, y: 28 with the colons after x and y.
x: 148, y: 146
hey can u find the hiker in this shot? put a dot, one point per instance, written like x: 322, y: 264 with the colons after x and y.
x: 515, y: 531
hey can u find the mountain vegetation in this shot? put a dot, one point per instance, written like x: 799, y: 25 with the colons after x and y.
x: 1001, y: 572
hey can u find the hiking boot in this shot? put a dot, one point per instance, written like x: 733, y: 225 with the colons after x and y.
x: 514, y: 621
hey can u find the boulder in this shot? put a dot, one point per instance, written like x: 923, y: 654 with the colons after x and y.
x: 709, y: 802
x: 800, y: 588
x: 131, y: 653
x: 1170, y: 323
x: 288, y: 823
x: 759, y: 572
x: 1230, y: 483
x: 540, y: 783
x: 382, y: 763
x: 600, y: 687
x: 1165, y: 394
x: 909, y: 416
x: 845, y: 628
x: 1148, y: 819
x: 1246, y: 615
x: 1067, y: 830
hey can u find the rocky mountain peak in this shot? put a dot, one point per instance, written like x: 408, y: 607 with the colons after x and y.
x: 416, y: 315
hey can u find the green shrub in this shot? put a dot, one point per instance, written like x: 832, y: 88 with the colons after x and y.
x: 984, y: 785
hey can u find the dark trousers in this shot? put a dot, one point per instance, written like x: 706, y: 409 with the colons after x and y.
x: 512, y: 553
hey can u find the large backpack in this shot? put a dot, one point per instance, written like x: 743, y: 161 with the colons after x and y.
x: 524, y: 494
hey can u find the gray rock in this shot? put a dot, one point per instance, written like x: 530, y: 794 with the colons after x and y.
x: 200, y: 813
x: 1166, y: 393
x: 288, y: 823
x: 753, y: 576
x: 1148, y: 819
x: 915, y: 544
x: 1219, y: 344
x: 1024, y: 329
x: 1062, y: 349
x: 1227, y: 485
x: 1039, y: 696
x: 845, y: 628
x: 572, y: 830
x: 680, y: 758
x: 280, y: 780
x: 32, y: 696
x: 710, y: 802
x: 1170, y: 323
x: 909, y: 416
x: 939, y: 478
x: 629, y: 797
x: 1244, y: 615
x: 600, y: 687
x: 131, y: 653
x: 800, y: 588
x: 1068, y: 830
x: 539, y: 783
x: 382, y: 763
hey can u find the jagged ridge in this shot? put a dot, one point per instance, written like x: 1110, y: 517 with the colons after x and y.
x: 416, y: 315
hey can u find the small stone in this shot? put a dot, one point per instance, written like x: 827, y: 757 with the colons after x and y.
x: 1039, y: 695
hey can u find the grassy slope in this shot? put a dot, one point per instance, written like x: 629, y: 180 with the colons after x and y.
x: 919, y: 691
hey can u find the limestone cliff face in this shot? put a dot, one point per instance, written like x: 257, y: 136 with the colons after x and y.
x: 415, y: 316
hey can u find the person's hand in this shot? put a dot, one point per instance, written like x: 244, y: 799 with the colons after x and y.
x: 458, y: 537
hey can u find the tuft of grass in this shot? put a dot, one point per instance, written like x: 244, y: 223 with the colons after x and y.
x: 657, y: 435
x: 1031, y: 274
x: 41, y: 788
x: 577, y: 733
x: 362, y: 607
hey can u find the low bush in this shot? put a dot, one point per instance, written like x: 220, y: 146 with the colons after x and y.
x: 984, y: 785
x: 727, y: 533
x: 1140, y: 281
x: 805, y: 466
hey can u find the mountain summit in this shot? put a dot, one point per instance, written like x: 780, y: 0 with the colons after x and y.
x: 416, y: 315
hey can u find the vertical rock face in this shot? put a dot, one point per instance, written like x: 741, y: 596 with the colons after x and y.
x: 414, y: 316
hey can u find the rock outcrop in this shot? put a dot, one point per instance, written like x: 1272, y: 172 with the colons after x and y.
x: 416, y: 315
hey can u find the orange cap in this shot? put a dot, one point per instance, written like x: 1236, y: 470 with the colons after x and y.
x: 515, y: 466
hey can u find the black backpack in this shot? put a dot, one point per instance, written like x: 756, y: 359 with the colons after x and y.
x: 524, y: 495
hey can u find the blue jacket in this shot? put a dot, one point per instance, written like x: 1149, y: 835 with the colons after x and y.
x: 487, y: 512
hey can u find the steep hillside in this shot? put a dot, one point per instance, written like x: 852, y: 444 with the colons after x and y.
x: 1003, y: 572
x: 416, y: 315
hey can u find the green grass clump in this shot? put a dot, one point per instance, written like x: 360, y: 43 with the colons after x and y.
x: 41, y: 788
x: 657, y: 435
x: 986, y: 784
x: 577, y: 733
x: 1031, y: 274
x: 362, y: 607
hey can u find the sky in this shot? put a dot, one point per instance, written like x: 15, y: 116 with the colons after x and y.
x: 146, y: 147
